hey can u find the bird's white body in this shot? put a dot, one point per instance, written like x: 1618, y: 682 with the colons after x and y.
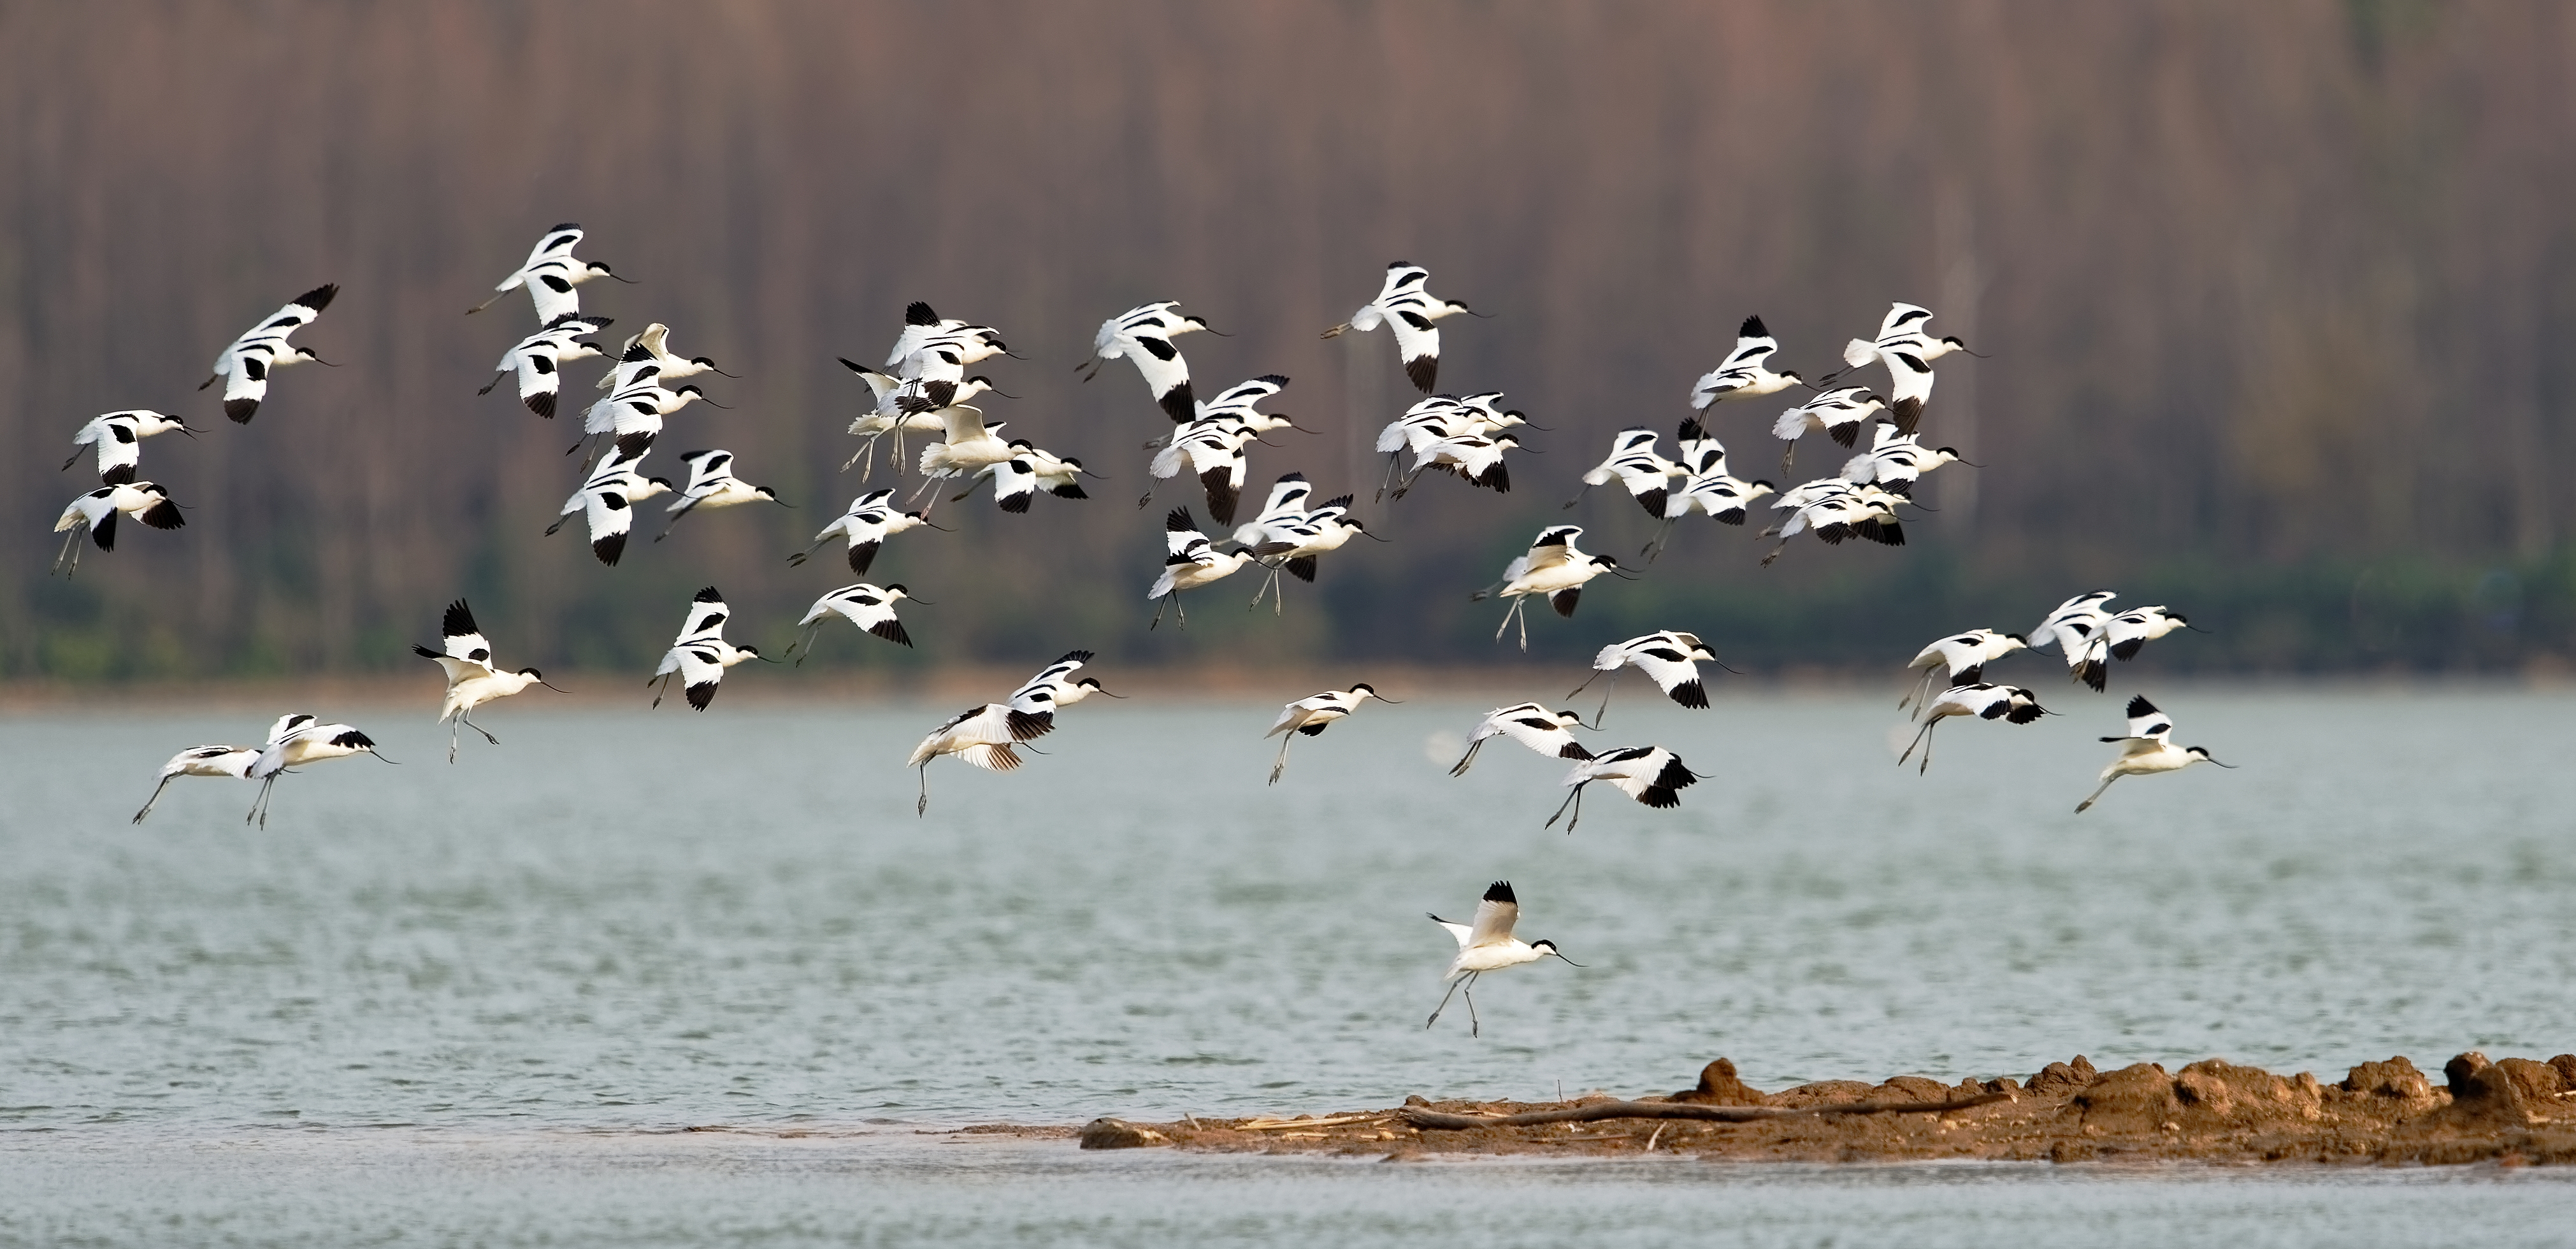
x: 118, y: 437
x: 231, y: 761
x: 1652, y: 775
x: 1897, y: 461
x: 984, y: 736
x: 465, y: 655
x: 295, y: 741
x: 94, y: 513
x: 1959, y: 659
x: 1743, y: 374
x: 634, y: 414
x: 1548, y: 733
x: 1144, y: 335
x: 1984, y: 701
x: 1554, y: 569
x: 653, y: 345
x: 550, y: 273
x: 539, y: 358
x: 245, y: 366
x: 606, y: 502
x: 2077, y: 629
x: 1634, y: 465
x: 1191, y: 561
x: 1837, y: 414
x: 1908, y: 352
x: 1409, y: 310
x: 871, y: 520
x: 2123, y: 634
x: 700, y: 655
x: 1311, y: 715
x: 1488, y: 945
x: 869, y: 607
x: 1669, y: 658
x: 2148, y: 749
x: 969, y: 445
x: 712, y: 486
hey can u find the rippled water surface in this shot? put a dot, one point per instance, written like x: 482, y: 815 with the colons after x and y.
x: 501, y: 977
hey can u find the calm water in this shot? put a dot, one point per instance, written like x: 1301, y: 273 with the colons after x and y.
x: 467, y: 1004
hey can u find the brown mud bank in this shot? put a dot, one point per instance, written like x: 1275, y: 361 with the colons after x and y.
x: 2515, y: 1111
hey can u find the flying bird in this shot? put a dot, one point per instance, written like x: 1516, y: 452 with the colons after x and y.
x: 119, y: 436
x: 653, y: 344
x: 1835, y: 510
x: 1652, y: 775
x: 606, y: 501
x: 1555, y: 569
x: 1670, y: 658
x: 245, y: 366
x: 984, y: 736
x: 1291, y: 544
x: 472, y: 680
x: 1838, y: 414
x: 1743, y: 374
x: 2132, y: 629
x: 1959, y: 659
x: 1986, y: 702
x: 1633, y: 464
x: 2147, y: 749
x: 1313, y: 714
x: 1896, y: 461
x: 2076, y: 630
x: 869, y: 607
x: 1144, y: 335
x: 539, y: 358
x: 1404, y: 307
x: 1192, y: 561
x: 712, y: 485
x: 550, y: 274
x: 1476, y: 458
x: 1488, y: 945
x: 95, y: 514
x: 232, y: 761
x: 1908, y: 353
x: 1706, y: 488
x: 700, y: 655
x: 1550, y: 733
x: 871, y: 520
x: 308, y: 741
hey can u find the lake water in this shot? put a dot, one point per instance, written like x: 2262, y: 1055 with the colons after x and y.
x: 472, y: 1004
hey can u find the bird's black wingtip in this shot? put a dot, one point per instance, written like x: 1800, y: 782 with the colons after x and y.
x: 1501, y: 891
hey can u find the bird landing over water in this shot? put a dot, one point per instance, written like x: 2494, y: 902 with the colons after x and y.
x: 1488, y: 945
x: 2148, y: 749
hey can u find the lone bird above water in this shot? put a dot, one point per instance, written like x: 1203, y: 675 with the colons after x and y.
x: 1488, y: 945
x: 2148, y: 749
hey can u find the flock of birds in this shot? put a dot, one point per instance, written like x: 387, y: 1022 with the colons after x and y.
x: 923, y: 389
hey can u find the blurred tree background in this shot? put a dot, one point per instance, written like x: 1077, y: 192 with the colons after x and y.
x: 2273, y: 294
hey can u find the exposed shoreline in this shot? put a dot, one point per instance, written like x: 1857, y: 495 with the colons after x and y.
x: 2512, y: 1112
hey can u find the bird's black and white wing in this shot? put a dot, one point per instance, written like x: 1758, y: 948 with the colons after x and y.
x: 1238, y: 400
x: 1496, y: 915
x: 463, y: 650
x: 120, y: 447
x: 2149, y: 729
x: 611, y: 518
x: 1417, y: 343
x: 1015, y: 482
x: 1051, y: 675
x: 1652, y: 775
x: 1753, y: 345
x: 1662, y: 658
x: 1535, y: 727
x: 864, y: 605
x: 706, y: 618
x: 245, y: 365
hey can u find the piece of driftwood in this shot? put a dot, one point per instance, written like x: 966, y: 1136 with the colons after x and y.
x: 1441, y: 1122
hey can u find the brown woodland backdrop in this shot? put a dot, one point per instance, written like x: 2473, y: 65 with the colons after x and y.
x: 2276, y: 298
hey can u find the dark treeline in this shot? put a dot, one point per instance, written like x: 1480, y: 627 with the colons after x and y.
x: 2272, y: 294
